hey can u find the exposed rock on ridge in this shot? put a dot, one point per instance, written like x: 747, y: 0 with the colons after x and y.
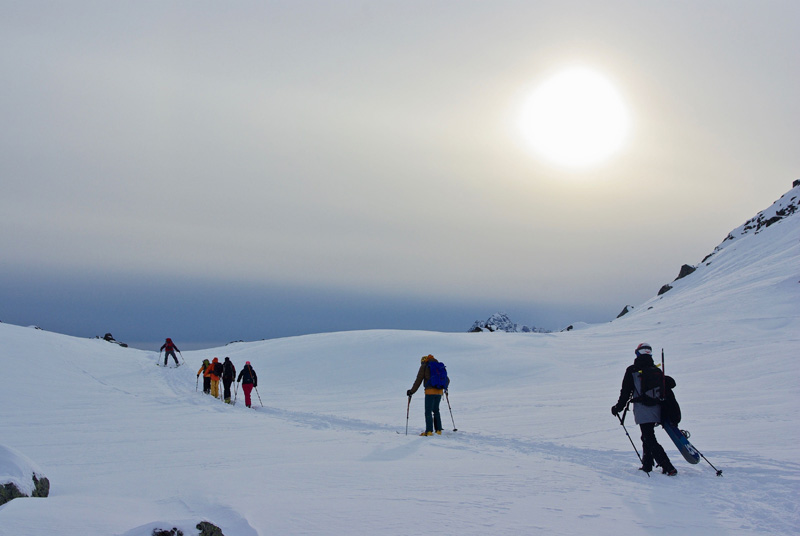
x: 501, y: 322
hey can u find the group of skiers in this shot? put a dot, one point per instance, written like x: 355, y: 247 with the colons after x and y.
x: 643, y: 384
x: 213, y: 371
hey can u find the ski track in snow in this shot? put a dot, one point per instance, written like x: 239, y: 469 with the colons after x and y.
x: 777, y: 482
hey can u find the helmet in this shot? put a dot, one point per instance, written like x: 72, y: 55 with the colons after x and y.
x: 644, y: 349
x: 426, y: 358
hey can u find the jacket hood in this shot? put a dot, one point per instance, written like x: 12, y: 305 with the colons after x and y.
x: 216, y: 360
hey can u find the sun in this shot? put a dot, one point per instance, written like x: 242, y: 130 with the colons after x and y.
x: 575, y: 119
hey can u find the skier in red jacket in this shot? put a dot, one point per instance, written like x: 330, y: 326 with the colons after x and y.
x: 170, y: 348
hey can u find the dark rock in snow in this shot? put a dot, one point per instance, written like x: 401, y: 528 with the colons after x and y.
x: 174, y: 532
x: 664, y: 289
x: 15, y: 469
x: 41, y: 487
x: 626, y: 310
x: 686, y: 269
x: 110, y: 338
x: 209, y: 529
x: 9, y: 492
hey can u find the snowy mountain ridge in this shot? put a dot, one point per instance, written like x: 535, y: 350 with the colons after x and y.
x: 783, y: 214
x: 781, y: 209
x: 501, y: 322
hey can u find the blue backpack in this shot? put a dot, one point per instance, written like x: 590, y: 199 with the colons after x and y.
x: 439, y: 379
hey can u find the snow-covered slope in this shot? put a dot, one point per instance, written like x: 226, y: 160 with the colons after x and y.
x: 129, y: 446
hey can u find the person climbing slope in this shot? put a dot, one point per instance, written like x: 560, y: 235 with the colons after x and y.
x: 216, y: 372
x: 169, y: 348
x: 228, y: 375
x: 249, y: 379
x: 642, y: 385
x: 433, y: 392
x: 205, y: 370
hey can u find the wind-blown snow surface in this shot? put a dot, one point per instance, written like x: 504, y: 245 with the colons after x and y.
x: 129, y: 446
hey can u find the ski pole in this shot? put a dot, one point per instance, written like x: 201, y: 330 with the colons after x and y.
x: 719, y: 471
x: 182, y: 359
x: 451, y: 411
x: 235, y: 391
x: 196, y: 383
x: 408, y: 408
x: 622, y: 422
x: 259, y: 396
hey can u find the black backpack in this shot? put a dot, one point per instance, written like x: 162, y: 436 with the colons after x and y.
x: 228, y: 370
x: 652, y: 381
x: 218, y: 369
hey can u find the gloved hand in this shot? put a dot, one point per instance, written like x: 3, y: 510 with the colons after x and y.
x: 409, y: 393
x: 614, y: 411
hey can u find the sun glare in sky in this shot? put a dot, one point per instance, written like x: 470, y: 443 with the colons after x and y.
x: 575, y: 119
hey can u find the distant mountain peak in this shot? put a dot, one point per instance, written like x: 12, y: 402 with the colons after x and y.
x: 502, y: 322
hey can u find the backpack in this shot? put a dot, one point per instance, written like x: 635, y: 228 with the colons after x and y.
x: 651, y: 381
x: 439, y: 379
x: 228, y: 370
x: 218, y: 369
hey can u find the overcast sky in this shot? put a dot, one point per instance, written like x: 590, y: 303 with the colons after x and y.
x: 217, y: 171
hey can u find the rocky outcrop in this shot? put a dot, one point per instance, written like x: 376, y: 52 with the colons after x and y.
x: 205, y: 528
x: 788, y: 205
x: 20, y: 477
x: 627, y: 309
x: 686, y: 269
x: 172, y: 532
x: 110, y: 338
x: 501, y: 322
x: 209, y: 529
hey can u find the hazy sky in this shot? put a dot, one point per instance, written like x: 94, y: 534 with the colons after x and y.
x: 215, y: 171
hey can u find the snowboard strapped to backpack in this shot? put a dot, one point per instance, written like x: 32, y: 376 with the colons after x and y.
x: 439, y: 379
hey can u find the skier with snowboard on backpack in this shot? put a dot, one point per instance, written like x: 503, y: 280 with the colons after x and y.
x: 642, y: 385
x: 170, y: 348
x: 432, y: 375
